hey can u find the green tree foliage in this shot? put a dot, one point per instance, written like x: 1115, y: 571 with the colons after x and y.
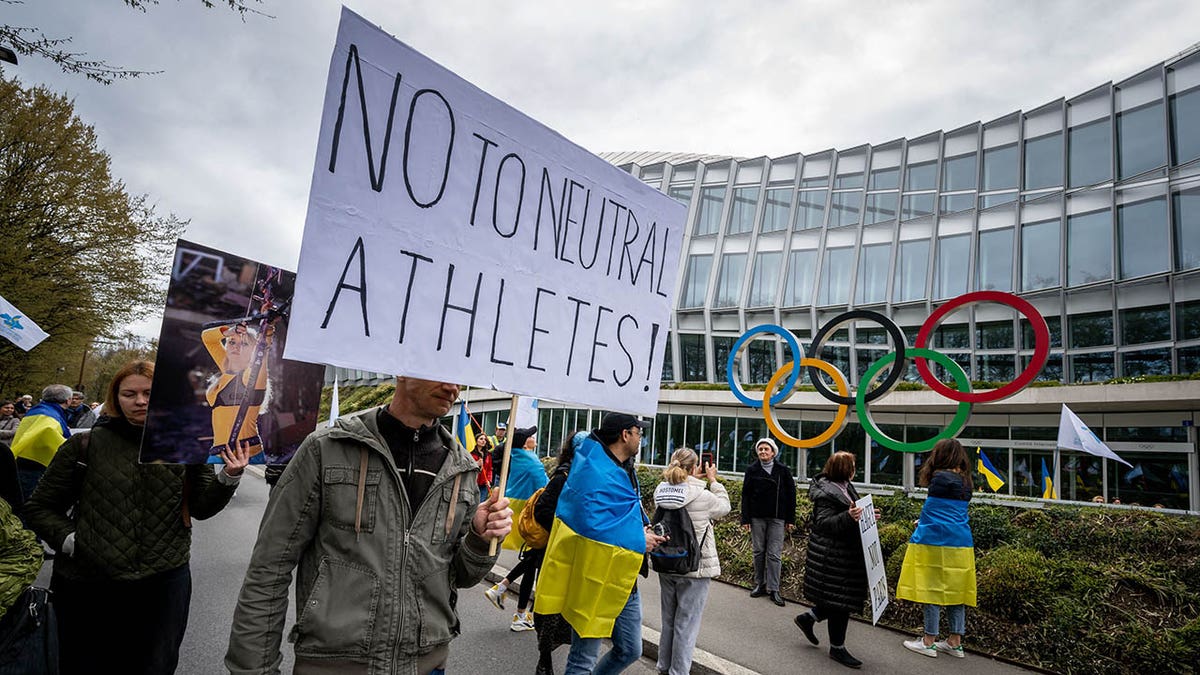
x: 81, y: 255
x: 31, y: 41
x: 106, y: 357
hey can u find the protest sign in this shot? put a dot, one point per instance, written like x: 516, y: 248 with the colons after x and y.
x: 451, y: 237
x: 220, y: 376
x: 18, y: 328
x: 868, y: 527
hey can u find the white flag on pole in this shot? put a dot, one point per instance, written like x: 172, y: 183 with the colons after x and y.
x: 19, y: 329
x: 527, y: 412
x: 1073, y: 434
x: 333, y: 403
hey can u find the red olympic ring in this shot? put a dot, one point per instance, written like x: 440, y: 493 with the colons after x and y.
x: 1041, y: 348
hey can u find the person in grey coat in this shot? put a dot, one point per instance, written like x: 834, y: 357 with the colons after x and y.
x: 835, y: 574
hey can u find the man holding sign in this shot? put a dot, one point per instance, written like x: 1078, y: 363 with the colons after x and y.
x: 381, y: 516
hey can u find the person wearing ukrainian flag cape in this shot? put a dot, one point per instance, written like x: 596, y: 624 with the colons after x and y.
x: 597, y: 548
x: 939, y: 563
x: 526, y: 475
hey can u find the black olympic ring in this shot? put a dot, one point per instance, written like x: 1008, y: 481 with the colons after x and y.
x: 898, y: 344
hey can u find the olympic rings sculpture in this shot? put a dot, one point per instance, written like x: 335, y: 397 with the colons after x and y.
x: 897, y: 359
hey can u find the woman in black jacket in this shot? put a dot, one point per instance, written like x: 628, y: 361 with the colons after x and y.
x: 768, y: 509
x: 835, y: 575
x: 552, y: 629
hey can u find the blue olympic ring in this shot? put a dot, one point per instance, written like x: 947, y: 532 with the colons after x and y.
x: 797, y: 355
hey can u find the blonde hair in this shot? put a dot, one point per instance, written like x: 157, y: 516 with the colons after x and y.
x: 683, y: 462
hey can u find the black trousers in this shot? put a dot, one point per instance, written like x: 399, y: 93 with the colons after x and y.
x: 133, y: 627
x: 837, y: 621
x: 526, y: 570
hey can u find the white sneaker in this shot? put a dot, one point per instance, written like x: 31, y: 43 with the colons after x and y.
x: 496, y: 596
x: 521, y: 622
x: 920, y: 647
x: 945, y: 648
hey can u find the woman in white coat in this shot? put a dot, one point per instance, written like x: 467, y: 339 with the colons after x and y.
x: 683, y: 595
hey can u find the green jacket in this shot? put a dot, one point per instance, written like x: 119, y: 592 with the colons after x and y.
x: 130, y: 521
x: 20, y: 558
x: 378, y: 594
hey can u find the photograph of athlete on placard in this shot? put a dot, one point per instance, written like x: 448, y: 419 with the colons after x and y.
x: 221, y: 379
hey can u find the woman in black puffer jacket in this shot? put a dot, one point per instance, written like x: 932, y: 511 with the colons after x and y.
x: 835, y: 575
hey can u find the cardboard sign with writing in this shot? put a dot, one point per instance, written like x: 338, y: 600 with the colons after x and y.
x: 873, y: 555
x: 451, y: 237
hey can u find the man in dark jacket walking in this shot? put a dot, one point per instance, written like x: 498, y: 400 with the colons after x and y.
x: 768, y: 509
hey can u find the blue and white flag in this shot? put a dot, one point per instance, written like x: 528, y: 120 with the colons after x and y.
x: 19, y: 329
x: 1073, y: 434
x: 527, y: 413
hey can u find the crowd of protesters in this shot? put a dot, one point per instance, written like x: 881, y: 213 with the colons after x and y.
x: 118, y: 534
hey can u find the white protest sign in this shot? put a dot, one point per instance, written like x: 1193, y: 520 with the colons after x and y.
x: 450, y: 237
x: 19, y: 329
x: 868, y: 527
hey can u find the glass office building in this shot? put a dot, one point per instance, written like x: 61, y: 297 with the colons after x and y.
x: 1088, y: 207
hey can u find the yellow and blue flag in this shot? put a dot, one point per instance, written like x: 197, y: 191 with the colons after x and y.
x: 989, y: 472
x: 464, y: 431
x: 40, y: 432
x: 596, y: 545
x: 525, y: 475
x: 1048, y: 491
x: 939, y: 563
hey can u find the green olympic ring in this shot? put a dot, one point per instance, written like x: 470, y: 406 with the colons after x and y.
x: 961, y: 414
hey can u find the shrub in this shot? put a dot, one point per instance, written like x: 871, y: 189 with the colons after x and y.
x: 1015, y: 583
x: 892, y: 536
x: 991, y: 526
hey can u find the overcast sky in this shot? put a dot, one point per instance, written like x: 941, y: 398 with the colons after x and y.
x: 225, y: 136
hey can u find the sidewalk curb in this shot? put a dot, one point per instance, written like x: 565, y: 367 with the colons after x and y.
x: 703, y: 663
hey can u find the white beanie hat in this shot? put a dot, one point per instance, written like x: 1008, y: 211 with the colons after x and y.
x: 769, y: 441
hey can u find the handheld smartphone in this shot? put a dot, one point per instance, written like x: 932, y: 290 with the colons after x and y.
x: 706, y: 458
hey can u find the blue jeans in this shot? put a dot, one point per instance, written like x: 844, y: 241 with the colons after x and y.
x: 626, y: 641
x: 933, y: 619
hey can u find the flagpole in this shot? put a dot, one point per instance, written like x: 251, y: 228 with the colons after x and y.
x: 508, y: 440
x: 1057, y: 483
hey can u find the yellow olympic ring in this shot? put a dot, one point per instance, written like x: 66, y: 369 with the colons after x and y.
x: 839, y: 419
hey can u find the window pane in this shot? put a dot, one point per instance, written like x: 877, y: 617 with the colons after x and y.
x: 958, y: 173
x: 912, y: 262
x: 708, y: 220
x: 1189, y: 360
x: 695, y: 286
x: 845, y: 209
x: 835, y: 277
x: 953, y: 256
x: 996, y: 367
x: 955, y: 203
x: 721, y: 348
x: 799, y: 288
x: 691, y: 353
x: 1091, y: 330
x: 1092, y: 367
x: 668, y: 371
x: 1039, y: 255
x: 881, y: 207
x: 1051, y: 372
x: 1187, y: 320
x: 1090, y: 147
x: 916, y: 206
x: 1187, y: 228
x: 1156, y: 478
x: 766, y: 279
x: 817, y: 181
x: 873, y: 274
x: 1140, y: 140
x: 885, y: 179
x: 729, y: 280
x: 1089, y: 248
x: 1146, y: 362
x: 848, y: 180
x: 1142, y: 229
x: 1185, y: 125
x: 775, y: 211
x: 810, y: 209
x: 993, y: 270
x: 988, y: 201
x: 952, y: 336
x: 762, y: 361
x: 1145, y: 324
x: 1000, y: 168
x: 745, y: 200
x: 921, y: 176
x: 994, y: 335
x: 1043, y: 161
x: 681, y: 193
